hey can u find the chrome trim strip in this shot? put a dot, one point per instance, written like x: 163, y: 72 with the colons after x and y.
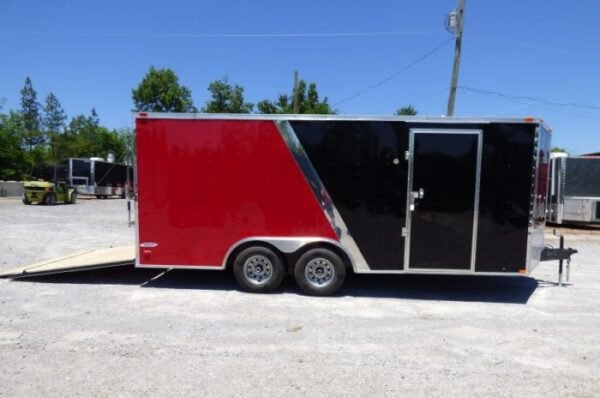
x: 390, y: 272
x: 321, y: 195
x: 161, y: 266
x: 410, y: 187
x: 136, y: 220
x: 417, y: 271
x: 582, y: 197
x: 476, y: 210
x: 431, y: 119
x: 533, y: 201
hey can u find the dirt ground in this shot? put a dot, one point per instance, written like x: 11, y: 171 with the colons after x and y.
x: 117, y: 332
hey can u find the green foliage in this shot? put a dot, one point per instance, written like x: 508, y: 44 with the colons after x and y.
x: 308, y: 100
x: 54, y: 116
x: 30, y: 110
x: 558, y: 149
x: 226, y: 98
x: 406, y: 111
x: 23, y: 153
x: 12, y: 161
x: 53, y: 123
x: 160, y: 91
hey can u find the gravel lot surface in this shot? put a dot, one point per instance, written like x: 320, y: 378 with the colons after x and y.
x: 116, y: 332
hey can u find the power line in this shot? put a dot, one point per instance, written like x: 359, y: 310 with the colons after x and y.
x: 393, y: 75
x: 221, y: 35
x: 528, y: 98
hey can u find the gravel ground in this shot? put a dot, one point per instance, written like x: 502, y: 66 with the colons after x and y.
x: 116, y: 332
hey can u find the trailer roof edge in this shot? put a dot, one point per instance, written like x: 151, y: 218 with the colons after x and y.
x: 245, y: 116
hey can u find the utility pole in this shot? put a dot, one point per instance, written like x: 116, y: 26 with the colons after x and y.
x: 455, y: 25
x: 296, y: 102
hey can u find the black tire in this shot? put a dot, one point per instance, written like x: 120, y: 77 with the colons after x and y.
x: 73, y: 198
x: 50, y: 199
x: 320, y: 272
x: 258, y: 269
x: 25, y: 201
x: 98, y: 196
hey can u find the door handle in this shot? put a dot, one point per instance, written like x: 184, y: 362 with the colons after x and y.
x: 420, y: 194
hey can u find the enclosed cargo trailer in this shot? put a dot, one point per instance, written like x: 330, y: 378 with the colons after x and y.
x: 322, y: 194
x: 97, y: 177
x: 574, y: 189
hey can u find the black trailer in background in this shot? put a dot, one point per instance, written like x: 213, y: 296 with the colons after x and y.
x: 574, y: 189
x: 98, y: 177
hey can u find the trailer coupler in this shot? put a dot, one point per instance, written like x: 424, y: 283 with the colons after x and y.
x: 561, y: 254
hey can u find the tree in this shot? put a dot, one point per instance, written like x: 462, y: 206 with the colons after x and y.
x: 54, y: 115
x: 30, y: 110
x: 53, y: 123
x: 160, y: 91
x: 558, y: 149
x: 226, y: 98
x: 408, y: 110
x: 12, y: 160
x: 308, y: 99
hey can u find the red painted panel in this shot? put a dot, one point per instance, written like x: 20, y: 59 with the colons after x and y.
x: 205, y: 184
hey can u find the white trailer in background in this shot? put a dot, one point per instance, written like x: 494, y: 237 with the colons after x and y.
x: 574, y: 189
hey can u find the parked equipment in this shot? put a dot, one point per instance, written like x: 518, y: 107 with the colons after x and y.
x: 321, y: 195
x: 574, y: 189
x: 48, y: 193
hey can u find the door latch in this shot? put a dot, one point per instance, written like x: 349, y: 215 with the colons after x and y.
x: 420, y: 194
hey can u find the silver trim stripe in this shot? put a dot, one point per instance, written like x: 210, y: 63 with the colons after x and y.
x: 321, y: 194
x: 369, y: 118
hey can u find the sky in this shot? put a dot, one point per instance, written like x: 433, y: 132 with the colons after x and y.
x: 519, y: 58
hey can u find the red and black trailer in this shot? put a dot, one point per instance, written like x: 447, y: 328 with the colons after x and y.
x: 324, y: 195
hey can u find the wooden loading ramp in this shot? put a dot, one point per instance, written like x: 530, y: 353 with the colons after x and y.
x: 82, y: 261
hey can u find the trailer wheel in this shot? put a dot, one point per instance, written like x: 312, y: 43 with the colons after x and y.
x: 258, y: 269
x: 320, y: 272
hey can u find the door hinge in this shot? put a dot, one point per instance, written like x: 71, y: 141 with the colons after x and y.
x: 407, y: 155
x: 403, y: 231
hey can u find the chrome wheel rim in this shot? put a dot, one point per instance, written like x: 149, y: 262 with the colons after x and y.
x: 258, y: 270
x: 319, y: 272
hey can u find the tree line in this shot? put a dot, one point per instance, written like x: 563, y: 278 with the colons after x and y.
x: 40, y: 134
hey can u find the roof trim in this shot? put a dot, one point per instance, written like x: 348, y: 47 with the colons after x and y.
x: 244, y: 116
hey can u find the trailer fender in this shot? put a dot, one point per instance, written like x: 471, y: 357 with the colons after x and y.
x: 288, y: 246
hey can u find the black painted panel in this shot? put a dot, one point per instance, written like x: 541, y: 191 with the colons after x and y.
x: 354, y: 159
x: 444, y: 166
x: 505, y: 197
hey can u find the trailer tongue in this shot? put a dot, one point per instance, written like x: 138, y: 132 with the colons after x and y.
x: 82, y: 261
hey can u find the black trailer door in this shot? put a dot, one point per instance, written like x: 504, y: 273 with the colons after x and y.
x: 443, y: 190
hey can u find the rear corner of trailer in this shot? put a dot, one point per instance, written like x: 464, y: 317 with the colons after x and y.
x: 539, y: 205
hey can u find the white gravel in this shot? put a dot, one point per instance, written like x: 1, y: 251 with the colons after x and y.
x: 102, y: 333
